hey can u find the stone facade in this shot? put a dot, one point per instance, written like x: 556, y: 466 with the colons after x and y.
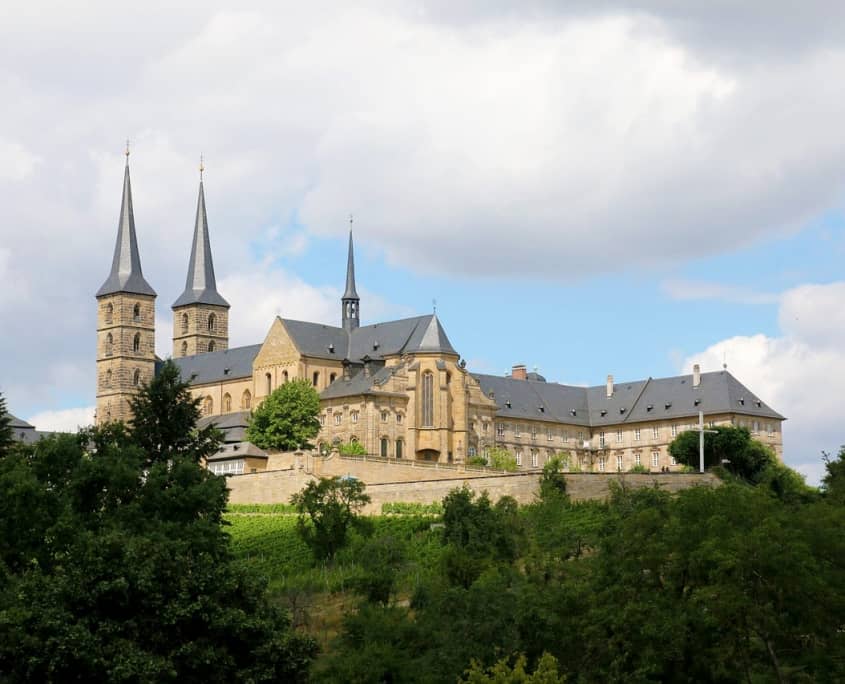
x: 125, y: 351
x: 200, y: 328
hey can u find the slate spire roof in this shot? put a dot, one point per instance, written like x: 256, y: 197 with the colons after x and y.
x: 201, y: 285
x: 434, y: 339
x: 126, y: 274
x: 350, y: 292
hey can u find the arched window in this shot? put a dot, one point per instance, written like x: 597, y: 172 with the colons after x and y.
x: 212, y: 322
x: 428, y: 400
x: 184, y: 349
x: 136, y: 377
x: 332, y: 378
x: 208, y: 406
x: 399, y: 446
x: 184, y: 322
x: 227, y: 403
x: 384, y: 443
x: 136, y: 342
x: 246, y: 400
x: 109, y: 345
x: 269, y: 379
x: 316, y: 378
x: 108, y: 378
x: 136, y: 312
x: 109, y: 314
x: 284, y: 376
x: 211, y: 345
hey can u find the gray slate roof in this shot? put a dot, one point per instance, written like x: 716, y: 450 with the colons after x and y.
x: 18, y: 424
x: 201, y: 285
x: 126, y: 274
x: 350, y: 292
x: 232, y: 425
x: 631, y: 402
x: 237, y: 450
x: 220, y: 365
x: 433, y: 339
x: 359, y: 383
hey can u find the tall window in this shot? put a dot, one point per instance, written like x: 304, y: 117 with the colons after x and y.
x: 269, y: 381
x: 619, y: 462
x: 637, y: 460
x: 517, y: 430
x: 338, y: 417
x: 384, y: 443
x: 674, y: 430
x: 284, y: 376
x: 549, y: 436
x: 354, y: 416
x: 399, y: 418
x: 332, y: 378
x: 109, y: 313
x: 500, y: 429
x: 601, y: 464
x: 211, y: 345
x: 212, y: 322
x: 533, y: 432
x: 619, y: 436
x: 246, y: 400
x: 316, y: 378
x: 533, y: 458
x: 136, y: 312
x: 208, y: 406
x: 637, y: 435
x: 519, y: 458
x: 655, y: 432
x: 184, y: 322
x: 136, y: 342
x: 227, y: 403
x: 385, y: 416
x: 428, y: 400
x: 655, y: 457
x: 601, y: 439
x: 184, y: 349
x: 399, y: 446
x: 109, y: 345
x: 108, y: 378
x: 136, y: 377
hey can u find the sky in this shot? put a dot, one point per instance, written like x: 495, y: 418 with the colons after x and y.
x: 590, y: 188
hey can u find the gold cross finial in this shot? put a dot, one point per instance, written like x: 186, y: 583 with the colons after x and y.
x: 126, y: 151
x: 202, y: 166
x: 350, y: 221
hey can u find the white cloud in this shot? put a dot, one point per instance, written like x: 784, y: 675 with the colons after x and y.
x: 797, y: 372
x: 18, y: 162
x: 64, y: 420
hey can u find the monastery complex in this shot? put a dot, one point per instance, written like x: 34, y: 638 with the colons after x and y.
x: 398, y: 387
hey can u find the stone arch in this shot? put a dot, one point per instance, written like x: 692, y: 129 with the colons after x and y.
x: 246, y: 399
x: 109, y: 344
x: 184, y: 348
x: 227, y: 403
x: 212, y: 322
x: 136, y: 377
x: 136, y: 312
x: 185, y: 322
x: 109, y: 313
x: 136, y: 343
x: 211, y: 345
x: 208, y: 406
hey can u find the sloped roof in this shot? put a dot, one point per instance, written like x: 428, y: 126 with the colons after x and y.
x: 201, y: 285
x: 126, y: 274
x: 213, y: 366
x: 18, y: 424
x: 641, y: 400
x: 359, y: 383
x: 430, y: 338
x: 315, y: 339
x: 232, y: 425
x: 350, y: 292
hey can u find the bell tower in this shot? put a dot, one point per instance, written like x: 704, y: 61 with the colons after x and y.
x: 125, y: 321
x: 200, y: 315
x: 351, y: 315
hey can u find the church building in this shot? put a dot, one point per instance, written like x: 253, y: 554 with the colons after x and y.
x: 398, y: 387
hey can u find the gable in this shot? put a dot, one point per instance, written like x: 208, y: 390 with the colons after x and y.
x: 278, y: 348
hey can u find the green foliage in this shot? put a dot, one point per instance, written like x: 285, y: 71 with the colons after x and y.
x: 504, y: 673
x: 116, y: 566
x: 727, y: 445
x: 478, y: 461
x: 6, y: 433
x: 553, y: 480
x: 327, y: 508
x: 164, y: 423
x: 500, y: 458
x: 640, y: 468
x: 287, y: 418
x: 833, y: 482
x: 402, y: 508
x: 264, y: 509
x: 382, y: 559
x: 353, y: 448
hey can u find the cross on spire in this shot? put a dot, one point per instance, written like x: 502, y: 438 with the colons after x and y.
x: 202, y: 167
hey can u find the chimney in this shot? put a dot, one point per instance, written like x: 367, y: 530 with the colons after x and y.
x: 696, y: 375
x: 347, y: 369
x: 609, y: 385
x: 366, y: 359
x: 518, y: 372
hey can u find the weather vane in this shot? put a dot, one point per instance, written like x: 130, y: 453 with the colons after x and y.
x: 350, y: 221
x: 434, y: 305
x: 202, y: 166
x: 126, y: 152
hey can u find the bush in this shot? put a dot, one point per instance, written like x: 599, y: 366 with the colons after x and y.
x: 287, y: 419
x: 352, y: 449
x: 401, y: 508
x: 639, y: 468
x: 501, y: 459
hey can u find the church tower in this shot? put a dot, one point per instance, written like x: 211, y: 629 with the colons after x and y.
x: 350, y: 301
x: 200, y: 315
x: 125, y: 321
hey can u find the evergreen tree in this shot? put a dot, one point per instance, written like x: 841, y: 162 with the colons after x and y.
x: 7, y: 438
x: 164, y: 422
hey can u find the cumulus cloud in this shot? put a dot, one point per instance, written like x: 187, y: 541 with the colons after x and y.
x: 65, y: 420
x: 796, y: 372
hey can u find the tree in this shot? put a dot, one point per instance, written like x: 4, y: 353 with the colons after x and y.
x: 504, y: 673
x: 116, y: 566
x: 287, y: 419
x: 501, y: 459
x: 833, y: 482
x: 164, y: 420
x: 553, y: 479
x: 7, y: 437
x: 327, y: 509
x: 742, y: 456
x: 353, y: 448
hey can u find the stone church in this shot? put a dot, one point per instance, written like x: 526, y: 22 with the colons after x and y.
x: 398, y: 387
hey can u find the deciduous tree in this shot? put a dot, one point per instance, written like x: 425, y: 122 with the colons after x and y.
x: 287, y: 419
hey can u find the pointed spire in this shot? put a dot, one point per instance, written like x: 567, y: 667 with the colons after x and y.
x: 201, y: 285
x: 126, y: 274
x: 350, y: 269
x: 433, y: 339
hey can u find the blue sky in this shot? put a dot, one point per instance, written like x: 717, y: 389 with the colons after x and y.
x: 581, y: 187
